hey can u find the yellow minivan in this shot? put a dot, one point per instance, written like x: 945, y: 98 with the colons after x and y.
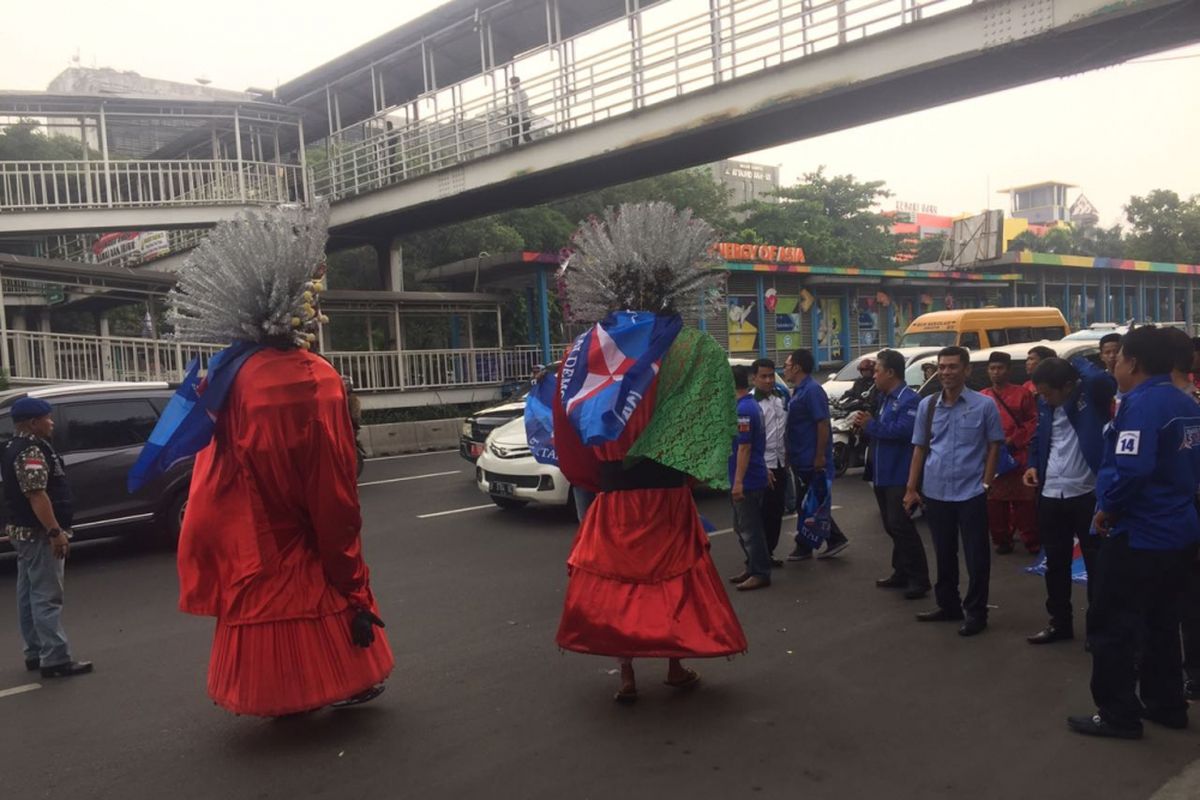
x: 978, y: 328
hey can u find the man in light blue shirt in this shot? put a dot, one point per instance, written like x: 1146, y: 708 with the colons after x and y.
x: 956, y: 443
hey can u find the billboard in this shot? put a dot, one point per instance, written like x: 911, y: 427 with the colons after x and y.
x: 977, y: 238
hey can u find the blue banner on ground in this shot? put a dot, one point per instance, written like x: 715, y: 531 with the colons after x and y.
x: 1078, y: 569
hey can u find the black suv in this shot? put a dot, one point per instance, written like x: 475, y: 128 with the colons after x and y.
x: 99, y: 430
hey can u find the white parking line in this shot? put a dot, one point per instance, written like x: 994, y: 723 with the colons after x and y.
x: 29, y: 687
x: 412, y: 478
x: 410, y: 455
x: 454, y: 511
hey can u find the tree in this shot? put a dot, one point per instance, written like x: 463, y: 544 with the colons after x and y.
x: 1164, y: 227
x: 26, y: 141
x: 690, y: 188
x: 832, y: 218
x: 929, y: 250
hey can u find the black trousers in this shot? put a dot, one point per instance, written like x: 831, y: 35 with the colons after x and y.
x: 908, y: 554
x: 948, y: 520
x: 835, y: 533
x: 1135, y: 610
x: 1189, y: 622
x: 520, y: 129
x: 1060, y: 522
x: 773, y: 503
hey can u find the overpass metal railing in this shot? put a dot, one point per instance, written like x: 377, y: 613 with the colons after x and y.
x: 731, y: 39
x: 80, y: 248
x: 54, y: 357
x: 436, y: 369
x: 57, y: 185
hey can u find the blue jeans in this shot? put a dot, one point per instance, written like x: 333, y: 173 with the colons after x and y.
x: 748, y: 523
x: 583, y: 500
x: 40, y: 601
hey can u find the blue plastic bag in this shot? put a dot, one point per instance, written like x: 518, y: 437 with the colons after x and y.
x: 815, y: 518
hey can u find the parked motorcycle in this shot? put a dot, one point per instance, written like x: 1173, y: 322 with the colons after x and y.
x: 849, y: 446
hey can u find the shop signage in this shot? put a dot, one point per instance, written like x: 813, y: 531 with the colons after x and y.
x: 915, y: 208
x: 731, y: 251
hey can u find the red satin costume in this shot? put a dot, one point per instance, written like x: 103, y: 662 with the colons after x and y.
x: 642, y: 583
x: 270, y: 544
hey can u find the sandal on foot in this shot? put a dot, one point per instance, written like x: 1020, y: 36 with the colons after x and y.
x: 626, y: 697
x: 360, y: 698
x: 687, y: 682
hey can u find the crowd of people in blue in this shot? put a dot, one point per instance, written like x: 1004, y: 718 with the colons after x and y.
x: 1110, y: 458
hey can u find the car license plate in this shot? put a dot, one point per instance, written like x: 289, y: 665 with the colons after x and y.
x: 476, y: 450
x: 502, y: 489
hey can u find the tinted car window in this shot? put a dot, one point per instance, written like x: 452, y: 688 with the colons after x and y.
x: 998, y: 337
x: 969, y: 340
x: 106, y: 425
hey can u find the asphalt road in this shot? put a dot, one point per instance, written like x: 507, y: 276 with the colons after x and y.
x: 842, y: 694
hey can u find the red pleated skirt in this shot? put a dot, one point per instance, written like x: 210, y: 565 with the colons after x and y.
x: 269, y: 669
x: 642, y: 583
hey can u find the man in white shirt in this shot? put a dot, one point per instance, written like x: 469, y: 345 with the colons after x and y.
x: 774, y: 410
x: 1075, y: 403
x: 518, y: 112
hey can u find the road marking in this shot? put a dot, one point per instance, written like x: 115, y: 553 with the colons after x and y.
x: 413, y: 478
x: 411, y: 455
x: 454, y: 511
x: 29, y: 687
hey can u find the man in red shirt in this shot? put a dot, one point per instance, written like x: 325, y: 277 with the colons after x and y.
x: 1011, y: 504
x: 1032, y: 359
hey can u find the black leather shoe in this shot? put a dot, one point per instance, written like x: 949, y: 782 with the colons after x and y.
x: 800, y: 554
x: 67, y: 670
x: 1176, y: 720
x: 32, y: 664
x: 972, y: 627
x: 1096, y: 725
x: 916, y: 592
x: 892, y: 582
x: 1051, y: 634
x: 741, y: 576
x: 939, y: 615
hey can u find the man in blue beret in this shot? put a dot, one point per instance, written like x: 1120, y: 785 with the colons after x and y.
x: 39, y: 519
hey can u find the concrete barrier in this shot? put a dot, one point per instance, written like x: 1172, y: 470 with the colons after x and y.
x: 398, y: 438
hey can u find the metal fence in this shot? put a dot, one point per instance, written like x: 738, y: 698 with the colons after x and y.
x: 56, y: 185
x: 662, y: 58
x: 436, y: 369
x: 53, y: 357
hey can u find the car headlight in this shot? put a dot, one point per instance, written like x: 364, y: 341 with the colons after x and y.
x: 466, y: 428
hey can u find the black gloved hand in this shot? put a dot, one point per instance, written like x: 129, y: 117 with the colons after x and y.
x: 362, y: 628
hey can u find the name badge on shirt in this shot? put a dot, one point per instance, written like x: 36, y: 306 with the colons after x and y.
x: 1128, y: 443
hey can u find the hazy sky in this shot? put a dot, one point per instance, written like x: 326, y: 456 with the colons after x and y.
x: 1114, y: 132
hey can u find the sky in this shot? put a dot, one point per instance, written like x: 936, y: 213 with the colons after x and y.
x: 1115, y: 132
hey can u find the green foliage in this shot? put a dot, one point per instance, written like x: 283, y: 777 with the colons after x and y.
x: 929, y: 250
x: 832, y: 218
x: 1164, y: 227
x: 356, y: 268
x: 26, y: 141
x: 689, y: 188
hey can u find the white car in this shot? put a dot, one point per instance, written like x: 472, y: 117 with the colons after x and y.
x: 507, y: 472
x: 840, y: 382
x: 978, y: 379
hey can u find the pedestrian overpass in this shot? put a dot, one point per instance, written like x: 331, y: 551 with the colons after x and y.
x: 419, y: 124
x: 416, y: 128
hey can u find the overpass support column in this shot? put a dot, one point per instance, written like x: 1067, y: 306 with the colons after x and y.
x: 762, y: 316
x: 389, y: 261
x: 544, y: 314
x: 4, y: 325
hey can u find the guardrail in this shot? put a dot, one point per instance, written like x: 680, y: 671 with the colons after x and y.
x: 56, y: 185
x: 436, y: 369
x: 53, y: 357
x: 660, y: 58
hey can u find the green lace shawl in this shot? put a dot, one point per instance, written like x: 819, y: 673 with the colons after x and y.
x: 695, y: 415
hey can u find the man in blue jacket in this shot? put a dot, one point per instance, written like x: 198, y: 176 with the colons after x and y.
x: 888, y: 460
x: 1074, y: 405
x: 809, y: 444
x: 1146, y: 511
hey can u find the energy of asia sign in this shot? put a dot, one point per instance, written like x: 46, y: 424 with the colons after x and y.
x: 760, y: 252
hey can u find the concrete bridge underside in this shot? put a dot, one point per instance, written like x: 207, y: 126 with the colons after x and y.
x: 983, y: 48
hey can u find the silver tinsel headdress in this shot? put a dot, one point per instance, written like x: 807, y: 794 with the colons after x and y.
x: 255, y: 278
x: 641, y: 257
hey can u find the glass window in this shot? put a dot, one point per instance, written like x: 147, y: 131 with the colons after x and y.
x: 106, y: 425
x: 997, y: 337
x: 969, y: 340
x: 928, y: 339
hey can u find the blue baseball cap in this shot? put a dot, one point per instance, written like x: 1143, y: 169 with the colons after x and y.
x: 28, y: 408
